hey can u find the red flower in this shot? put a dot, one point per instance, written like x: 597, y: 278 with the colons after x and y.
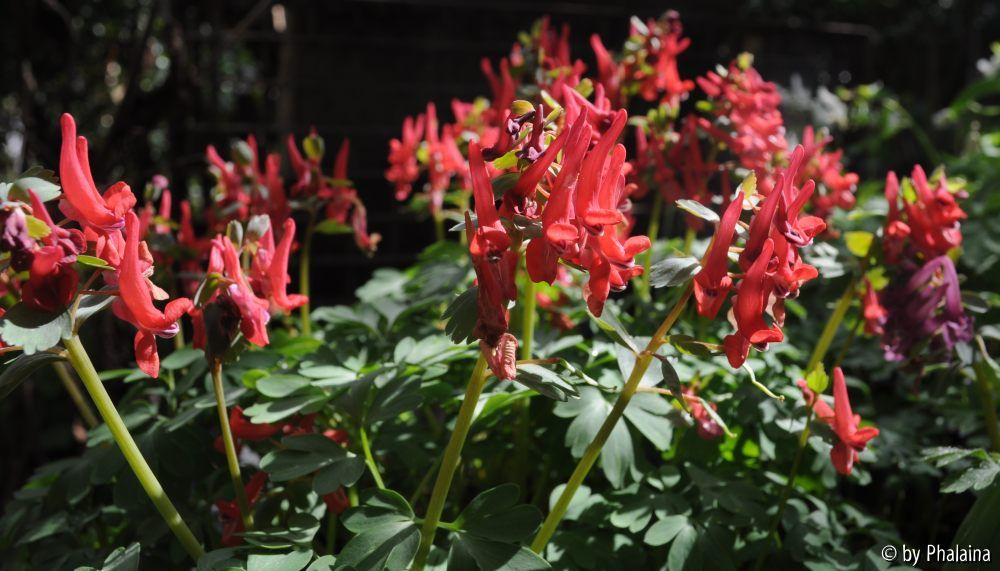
x: 852, y: 439
x: 748, y: 308
x: 712, y: 283
x: 82, y: 201
x: 244, y: 429
x: 52, y: 280
x: 896, y: 231
x: 270, y: 270
x: 337, y: 501
x: 932, y: 219
x: 253, y: 310
x: 135, y: 303
x: 229, y: 511
x: 874, y: 312
x: 403, y: 166
x: 705, y: 425
x: 495, y: 263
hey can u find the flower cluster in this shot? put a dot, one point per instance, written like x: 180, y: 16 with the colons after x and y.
x: 919, y: 313
x: 772, y: 268
x: 580, y: 223
x: 244, y: 189
x: 851, y: 437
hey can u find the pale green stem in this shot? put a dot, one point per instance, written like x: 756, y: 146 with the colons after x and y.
x: 449, y: 463
x: 590, y: 456
x: 232, y: 460
x: 62, y: 371
x: 369, y: 459
x: 304, y: 258
x: 826, y: 338
x: 91, y: 381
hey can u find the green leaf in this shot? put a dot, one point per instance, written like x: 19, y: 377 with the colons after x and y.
x: 672, y: 380
x: 306, y: 453
x: 817, y: 380
x: 673, y: 272
x: 496, y: 515
x: 387, y: 537
x: 648, y: 413
x: 294, y: 561
x: 273, y: 411
x: 977, y: 478
x: 491, y: 555
x: 858, y: 242
x: 34, y: 330
x: 181, y: 358
x: 545, y: 382
x: 281, y: 385
x: 697, y: 209
x: 980, y: 528
x: 665, y: 530
x: 588, y: 414
x: 91, y: 305
x: 610, y: 324
x: 324, y: 563
x: 21, y: 369
x: 93, y: 262
x: 331, y: 226
x: 460, y: 316
x: 339, y: 474
x: 684, y: 541
x: 123, y: 559
x: 42, y: 188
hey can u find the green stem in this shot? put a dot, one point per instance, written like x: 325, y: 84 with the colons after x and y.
x: 818, y: 354
x: 438, y: 227
x: 62, y: 371
x: 826, y: 338
x: 528, y: 315
x: 88, y: 374
x: 227, y: 440
x: 522, y: 407
x: 689, y: 235
x: 590, y: 456
x: 369, y: 459
x: 449, y: 463
x: 655, y: 216
x: 304, y: 311
x: 983, y: 378
x: 331, y: 533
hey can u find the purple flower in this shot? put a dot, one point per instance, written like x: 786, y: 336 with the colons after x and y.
x: 926, y: 314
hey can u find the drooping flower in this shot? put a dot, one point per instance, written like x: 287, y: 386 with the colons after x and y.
x: 874, y: 313
x: 135, y: 304
x: 712, y: 283
x: 495, y: 263
x: 229, y: 511
x: 269, y: 270
x: 749, y: 304
x: 82, y: 202
x: 852, y: 438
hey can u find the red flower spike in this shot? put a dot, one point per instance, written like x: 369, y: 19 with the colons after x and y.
x: 135, y: 303
x: 253, y: 310
x: 712, y: 283
x: 85, y: 204
x: 852, y: 439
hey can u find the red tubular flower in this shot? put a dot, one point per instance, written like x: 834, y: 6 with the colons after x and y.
x: 270, y: 270
x: 875, y: 314
x: 851, y: 439
x: 337, y: 502
x: 244, y: 429
x: 597, y: 183
x: 52, y: 280
x: 712, y: 283
x: 559, y: 236
x: 83, y: 203
x: 896, y: 231
x: 495, y: 263
x: 748, y: 309
x: 705, y: 425
x: 933, y: 217
x: 403, y: 167
x: 253, y: 310
x: 135, y: 303
x: 229, y: 511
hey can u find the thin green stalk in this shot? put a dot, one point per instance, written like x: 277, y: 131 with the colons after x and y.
x: 449, y: 463
x: 331, y: 533
x: 62, y: 371
x: 522, y: 408
x: 983, y: 378
x: 655, y: 216
x: 590, y: 456
x: 439, y: 227
x: 227, y: 440
x: 818, y: 354
x: 528, y: 316
x: 826, y: 338
x: 689, y: 235
x: 369, y: 459
x: 88, y: 374
x: 304, y: 257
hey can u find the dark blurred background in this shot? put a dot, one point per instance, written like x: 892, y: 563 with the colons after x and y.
x: 152, y: 82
